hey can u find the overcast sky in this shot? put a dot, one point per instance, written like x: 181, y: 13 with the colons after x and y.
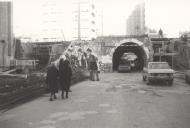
x: 171, y: 15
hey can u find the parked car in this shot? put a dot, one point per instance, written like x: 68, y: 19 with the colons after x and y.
x: 124, y: 67
x: 158, y: 71
x: 187, y: 76
x: 127, y: 62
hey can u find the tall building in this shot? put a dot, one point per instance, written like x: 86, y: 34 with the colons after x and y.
x: 6, y: 33
x: 75, y: 20
x: 136, y: 21
x: 52, y: 20
x: 84, y: 20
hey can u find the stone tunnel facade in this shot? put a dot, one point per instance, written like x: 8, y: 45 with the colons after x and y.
x: 130, y: 45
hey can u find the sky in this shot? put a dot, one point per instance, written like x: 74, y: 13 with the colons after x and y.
x: 172, y: 16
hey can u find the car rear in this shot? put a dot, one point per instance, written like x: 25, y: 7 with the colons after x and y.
x: 123, y: 67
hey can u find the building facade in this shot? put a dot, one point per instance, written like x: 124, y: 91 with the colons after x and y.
x: 75, y: 20
x: 6, y: 33
x: 53, y: 17
x: 136, y: 21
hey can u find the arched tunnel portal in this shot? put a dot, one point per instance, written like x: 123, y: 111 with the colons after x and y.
x: 132, y: 46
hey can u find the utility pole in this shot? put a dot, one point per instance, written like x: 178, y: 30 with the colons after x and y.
x: 79, y: 33
x: 102, y: 25
x: 83, y: 18
x: 63, y: 35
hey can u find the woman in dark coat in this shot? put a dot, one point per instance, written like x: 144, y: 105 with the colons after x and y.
x: 65, y: 74
x: 52, y: 80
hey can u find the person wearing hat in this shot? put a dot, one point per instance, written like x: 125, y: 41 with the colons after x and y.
x: 92, y: 65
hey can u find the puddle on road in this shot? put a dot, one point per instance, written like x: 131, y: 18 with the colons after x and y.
x: 47, y: 122
x: 141, y: 91
x: 81, y: 100
x: 104, y: 105
x: 111, y: 89
x: 149, y: 102
x: 134, y: 89
x: 7, y: 117
x: 48, y: 126
x: 92, y: 85
x: 58, y: 114
x: 145, y: 91
x: 30, y: 123
x: 113, y: 111
x: 71, y: 115
x: 77, y: 115
x: 153, y: 93
x: 65, y: 116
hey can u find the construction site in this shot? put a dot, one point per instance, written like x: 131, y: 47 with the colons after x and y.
x: 25, y: 60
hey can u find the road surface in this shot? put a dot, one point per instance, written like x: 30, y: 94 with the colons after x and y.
x: 119, y: 100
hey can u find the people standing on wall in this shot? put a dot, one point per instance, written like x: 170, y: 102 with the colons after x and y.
x: 52, y: 81
x: 92, y: 65
x: 84, y: 61
x: 65, y: 74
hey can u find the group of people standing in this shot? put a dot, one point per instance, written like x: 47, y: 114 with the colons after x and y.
x: 92, y: 66
x: 59, y: 78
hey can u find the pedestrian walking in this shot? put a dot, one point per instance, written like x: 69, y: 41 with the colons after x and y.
x: 92, y: 65
x: 65, y: 74
x: 52, y: 81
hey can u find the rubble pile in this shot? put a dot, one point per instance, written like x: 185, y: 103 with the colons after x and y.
x: 75, y: 53
x: 14, y: 89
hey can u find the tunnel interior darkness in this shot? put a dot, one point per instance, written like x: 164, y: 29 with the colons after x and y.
x: 129, y: 47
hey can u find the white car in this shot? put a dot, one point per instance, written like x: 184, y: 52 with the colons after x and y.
x: 158, y: 71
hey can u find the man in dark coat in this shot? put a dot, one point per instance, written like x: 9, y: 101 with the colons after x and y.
x: 52, y: 80
x: 65, y: 74
x: 92, y: 65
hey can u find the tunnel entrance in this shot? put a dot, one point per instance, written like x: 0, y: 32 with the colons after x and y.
x: 130, y: 47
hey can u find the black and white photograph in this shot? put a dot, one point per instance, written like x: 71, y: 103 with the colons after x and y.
x: 94, y: 64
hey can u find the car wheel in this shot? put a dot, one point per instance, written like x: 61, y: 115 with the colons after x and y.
x: 144, y: 78
x: 170, y: 82
x: 147, y: 81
